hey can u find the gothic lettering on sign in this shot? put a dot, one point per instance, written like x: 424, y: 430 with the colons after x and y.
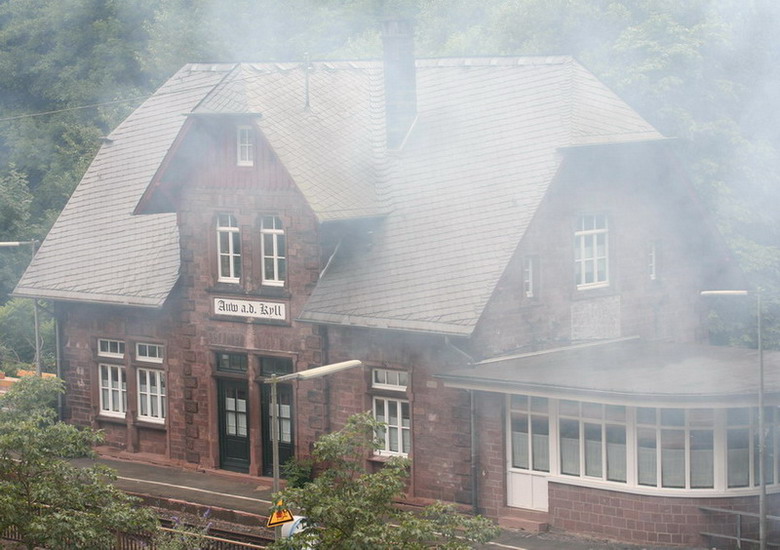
x: 249, y: 308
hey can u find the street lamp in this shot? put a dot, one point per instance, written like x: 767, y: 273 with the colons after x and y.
x: 32, y: 244
x: 316, y: 372
x: 761, y: 434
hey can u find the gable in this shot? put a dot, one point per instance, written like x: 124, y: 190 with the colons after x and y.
x: 97, y: 250
x: 483, y: 151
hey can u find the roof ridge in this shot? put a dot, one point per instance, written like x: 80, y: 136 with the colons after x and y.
x: 216, y: 88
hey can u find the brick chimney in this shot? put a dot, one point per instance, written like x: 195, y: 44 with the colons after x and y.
x: 400, y: 79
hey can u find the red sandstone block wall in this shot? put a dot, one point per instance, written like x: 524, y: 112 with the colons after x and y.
x: 642, y: 519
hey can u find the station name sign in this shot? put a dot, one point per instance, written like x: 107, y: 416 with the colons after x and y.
x: 255, y: 309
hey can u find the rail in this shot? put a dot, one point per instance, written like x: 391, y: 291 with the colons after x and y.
x: 217, y: 539
x: 739, y: 536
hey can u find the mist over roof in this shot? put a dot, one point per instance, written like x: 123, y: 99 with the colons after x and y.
x: 454, y: 201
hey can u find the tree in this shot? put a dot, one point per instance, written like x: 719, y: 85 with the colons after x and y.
x: 348, y: 507
x: 50, y: 502
x: 17, y: 335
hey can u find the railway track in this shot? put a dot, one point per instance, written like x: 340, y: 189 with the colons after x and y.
x: 222, y: 537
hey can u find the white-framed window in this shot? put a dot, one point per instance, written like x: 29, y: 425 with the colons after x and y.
x: 530, y: 276
x: 591, y: 251
x: 388, y: 379
x: 245, y: 146
x: 530, y: 436
x: 113, y: 390
x: 111, y: 348
x: 150, y: 353
x: 396, y: 435
x: 592, y: 440
x: 670, y: 439
x: 742, y: 446
x: 668, y: 450
x: 273, y: 250
x: 228, y: 248
x: 652, y: 260
x: 151, y: 395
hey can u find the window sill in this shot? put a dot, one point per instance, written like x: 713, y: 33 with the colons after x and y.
x: 238, y: 290
x: 385, y: 458
x: 588, y: 292
x: 150, y: 424
x: 111, y: 419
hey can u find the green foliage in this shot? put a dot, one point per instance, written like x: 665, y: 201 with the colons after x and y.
x: 184, y: 536
x: 50, y: 502
x: 17, y: 335
x: 348, y: 507
x: 298, y: 471
x: 701, y: 70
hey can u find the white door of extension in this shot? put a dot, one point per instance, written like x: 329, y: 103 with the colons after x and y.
x: 527, y: 490
x: 528, y: 452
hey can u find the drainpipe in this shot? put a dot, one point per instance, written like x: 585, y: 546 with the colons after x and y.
x: 474, y: 441
x: 58, y: 362
x: 474, y: 454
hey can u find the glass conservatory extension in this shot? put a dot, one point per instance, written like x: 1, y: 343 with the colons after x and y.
x: 656, y: 448
x: 645, y: 417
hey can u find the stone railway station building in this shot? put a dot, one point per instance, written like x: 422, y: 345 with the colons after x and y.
x: 514, y: 254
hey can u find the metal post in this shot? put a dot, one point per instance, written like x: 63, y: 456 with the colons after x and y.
x: 761, y: 432
x: 32, y: 244
x: 35, y: 322
x: 762, y: 535
x: 308, y: 374
x: 275, y: 444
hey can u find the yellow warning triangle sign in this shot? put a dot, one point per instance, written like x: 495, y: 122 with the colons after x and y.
x: 280, y: 517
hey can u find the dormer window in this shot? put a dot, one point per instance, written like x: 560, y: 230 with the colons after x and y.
x: 245, y: 146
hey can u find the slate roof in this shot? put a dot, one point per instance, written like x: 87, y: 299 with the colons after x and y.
x: 484, y: 150
x: 454, y: 202
x: 630, y: 371
x: 97, y: 250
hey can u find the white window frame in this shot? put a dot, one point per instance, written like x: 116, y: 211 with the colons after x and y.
x: 245, y: 146
x: 227, y: 225
x: 389, y: 379
x: 530, y: 276
x: 652, y: 260
x: 685, y: 429
x: 530, y: 443
x: 113, y: 400
x: 393, y: 434
x: 587, y: 417
x: 108, y: 344
x: 150, y: 400
x: 591, y: 229
x: 274, y: 253
x: 143, y: 349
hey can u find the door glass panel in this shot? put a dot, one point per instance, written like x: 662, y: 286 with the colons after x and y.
x: 540, y: 438
x: 520, y: 440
